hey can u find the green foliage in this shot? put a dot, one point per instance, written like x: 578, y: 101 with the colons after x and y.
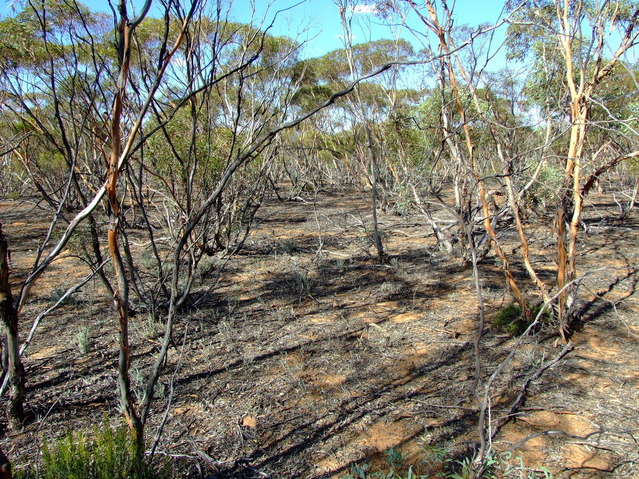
x: 309, y: 96
x: 13, y: 195
x: 438, y: 463
x: 43, y: 31
x: 373, y: 54
x: 396, y: 469
x: 428, y: 117
x: 548, y: 184
x: 496, y: 466
x: 403, y: 200
x: 510, y: 318
x: 334, y: 67
x: 110, y: 454
x: 83, y: 339
x: 59, y: 292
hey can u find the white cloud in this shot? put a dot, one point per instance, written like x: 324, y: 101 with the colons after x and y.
x: 365, y: 9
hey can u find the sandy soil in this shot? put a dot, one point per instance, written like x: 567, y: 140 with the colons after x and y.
x: 309, y: 356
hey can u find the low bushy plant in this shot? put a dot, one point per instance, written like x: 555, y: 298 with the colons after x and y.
x: 59, y: 292
x: 511, y: 320
x: 396, y: 468
x: 83, y: 339
x: 438, y: 463
x: 108, y: 454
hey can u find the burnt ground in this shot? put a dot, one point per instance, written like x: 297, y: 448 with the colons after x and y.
x: 308, y: 356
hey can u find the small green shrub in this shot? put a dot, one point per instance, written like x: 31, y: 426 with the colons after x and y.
x: 59, y: 292
x: 286, y: 246
x: 303, y: 284
x: 83, y: 339
x: 547, y: 185
x: 403, y: 201
x: 13, y: 195
x: 109, y: 454
x: 511, y: 319
x: 438, y: 463
x: 396, y: 469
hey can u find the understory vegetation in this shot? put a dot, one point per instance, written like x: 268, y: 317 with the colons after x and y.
x: 437, y: 462
x: 108, y: 453
x: 205, y: 229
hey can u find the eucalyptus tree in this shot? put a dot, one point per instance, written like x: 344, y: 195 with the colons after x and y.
x: 567, y: 88
x: 586, y: 40
x: 215, y: 113
x: 249, y: 108
x: 52, y: 105
x: 86, y: 90
x: 338, y: 137
x: 237, y: 85
x: 367, y: 106
x: 449, y: 111
x: 318, y: 151
x: 572, y: 67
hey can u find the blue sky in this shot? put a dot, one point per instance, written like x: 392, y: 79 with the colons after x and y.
x: 318, y: 21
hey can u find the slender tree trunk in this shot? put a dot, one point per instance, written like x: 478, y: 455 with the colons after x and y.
x: 370, y: 148
x: 581, y: 86
x: 9, y: 316
x: 569, y: 212
x: 121, y: 296
x: 471, y: 165
x: 377, y: 237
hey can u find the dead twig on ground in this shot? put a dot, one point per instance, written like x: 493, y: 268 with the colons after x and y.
x: 524, y: 388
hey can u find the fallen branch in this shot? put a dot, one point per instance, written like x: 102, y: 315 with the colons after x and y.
x: 522, y: 392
